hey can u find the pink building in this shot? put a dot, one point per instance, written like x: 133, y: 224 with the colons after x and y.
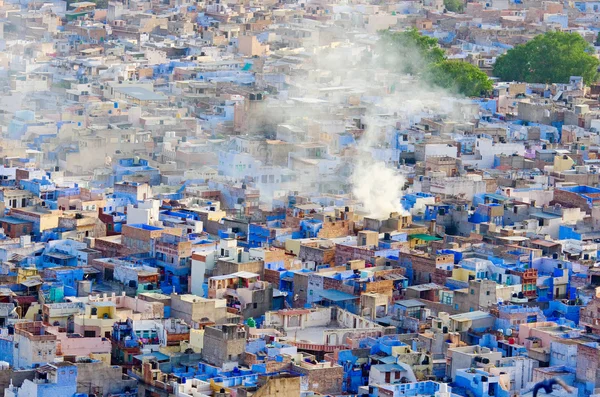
x: 79, y: 346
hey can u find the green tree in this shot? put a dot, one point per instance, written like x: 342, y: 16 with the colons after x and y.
x: 549, y: 58
x: 454, y: 5
x: 409, y: 51
x: 460, y: 76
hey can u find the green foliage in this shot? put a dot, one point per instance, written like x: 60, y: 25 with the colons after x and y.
x: 411, y: 52
x: 62, y: 84
x: 549, y: 58
x: 454, y: 5
x: 463, y: 77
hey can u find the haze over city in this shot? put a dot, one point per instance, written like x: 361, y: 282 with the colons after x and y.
x: 300, y: 198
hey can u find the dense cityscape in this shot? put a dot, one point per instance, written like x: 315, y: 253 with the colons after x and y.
x: 281, y: 198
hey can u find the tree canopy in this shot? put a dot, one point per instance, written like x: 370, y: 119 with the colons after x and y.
x: 454, y: 5
x: 461, y: 76
x: 549, y: 58
x: 411, y: 52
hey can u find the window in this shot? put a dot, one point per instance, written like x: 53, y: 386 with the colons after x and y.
x: 472, y: 292
x: 487, y: 292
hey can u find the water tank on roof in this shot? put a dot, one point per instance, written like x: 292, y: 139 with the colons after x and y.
x: 84, y: 288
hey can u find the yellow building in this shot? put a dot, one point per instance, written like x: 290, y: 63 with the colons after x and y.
x: 98, y: 320
x: 416, y: 240
x: 563, y: 163
x: 462, y: 274
x: 104, y: 357
x: 23, y: 273
x: 196, y: 341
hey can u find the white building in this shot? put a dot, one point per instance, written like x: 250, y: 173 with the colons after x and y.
x: 486, y: 150
x: 143, y: 213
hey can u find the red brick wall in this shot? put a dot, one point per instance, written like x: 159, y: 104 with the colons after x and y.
x: 345, y: 253
x: 571, y: 199
x: 335, y: 229
x: 272, y: 276
x: 382, y: 273
x: 385, y: 287
x: 425, y: 271
x: 587, y: 363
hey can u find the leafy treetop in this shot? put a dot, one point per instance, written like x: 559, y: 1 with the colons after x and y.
x: 552, y: 57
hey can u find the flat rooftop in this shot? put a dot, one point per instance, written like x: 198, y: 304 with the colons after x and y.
x: 141, y: 94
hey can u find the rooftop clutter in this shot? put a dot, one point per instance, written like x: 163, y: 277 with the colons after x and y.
x: 224, y: 198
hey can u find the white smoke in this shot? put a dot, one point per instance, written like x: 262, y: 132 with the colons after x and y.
x: 378, y: 187
x: 387, y: 99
